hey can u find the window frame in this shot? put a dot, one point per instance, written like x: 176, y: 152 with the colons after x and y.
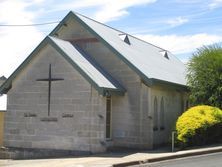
x: 162, y: 114
x: 155, y: 114
x: 108, y: 136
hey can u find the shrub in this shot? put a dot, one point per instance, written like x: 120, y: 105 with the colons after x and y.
x: 199, y: 125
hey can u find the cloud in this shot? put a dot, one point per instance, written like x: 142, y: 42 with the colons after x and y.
x: 215, y: 4
x: 177, y: 21
x: 106, y: 10
x: 11, y: 12
x: 16, y: 42
x: 115, y: 9
x: 188, y: 2
x: 181, y: 44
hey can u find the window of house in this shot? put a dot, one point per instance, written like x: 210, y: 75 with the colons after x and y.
x: 155, y: 114
x: 162, y: 114
x: 187, y: 105
x: 108, y: 117
x: 182, y: 106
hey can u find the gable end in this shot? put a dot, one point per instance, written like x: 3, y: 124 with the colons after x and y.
x: 6, y: 86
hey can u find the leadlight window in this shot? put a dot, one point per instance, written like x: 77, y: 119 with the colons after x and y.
x: 182, y: 106
x: 162, y: 114
x: 155, y: 114
x: 108, y: 117
x: 187, y: 105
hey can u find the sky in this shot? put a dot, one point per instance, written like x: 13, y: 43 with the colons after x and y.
x: 180, y: 26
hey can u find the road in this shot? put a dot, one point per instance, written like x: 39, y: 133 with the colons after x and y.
x: 208, y: 160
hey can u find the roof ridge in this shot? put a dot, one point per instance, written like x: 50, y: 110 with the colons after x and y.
x: 94, y: 26
x: 122, y: 32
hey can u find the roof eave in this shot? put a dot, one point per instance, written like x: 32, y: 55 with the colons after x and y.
x: 147, y: 80
x: 61, y: 23
x: 6, y: 86
x: 111, y: 91
x: 169, y: 84
x: 101, y: 90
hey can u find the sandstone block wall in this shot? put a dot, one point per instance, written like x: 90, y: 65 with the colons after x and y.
x: 73, y: 124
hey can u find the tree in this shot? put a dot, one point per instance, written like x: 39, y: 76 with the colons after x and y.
x: 205, y: 76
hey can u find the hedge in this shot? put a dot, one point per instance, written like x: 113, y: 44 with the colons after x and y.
x: 199, y: 125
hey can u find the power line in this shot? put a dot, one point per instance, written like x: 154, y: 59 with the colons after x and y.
x: 27, y: 25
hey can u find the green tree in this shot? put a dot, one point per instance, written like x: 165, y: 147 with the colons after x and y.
x: 205, y: 76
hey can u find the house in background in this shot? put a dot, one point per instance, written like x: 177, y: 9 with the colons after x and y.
x: 2, y: 112
x: 88, y: 87
x: 2, y: 79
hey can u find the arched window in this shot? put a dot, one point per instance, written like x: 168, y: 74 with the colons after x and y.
x: 155, y: 114
x: 162, y: 114
x: 182, y: 106
x: 187, y: 105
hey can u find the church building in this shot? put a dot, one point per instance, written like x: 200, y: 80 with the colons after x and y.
x: 88, y: 87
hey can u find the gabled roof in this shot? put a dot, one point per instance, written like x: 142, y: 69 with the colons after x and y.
x: 3, y: 78
x: 144, y: 58
x: 103, y: 84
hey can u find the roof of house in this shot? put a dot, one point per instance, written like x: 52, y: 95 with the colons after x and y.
x: 153, y: 64
x: 3, y: 78
x: 95, y: 76
x: 88, y: 69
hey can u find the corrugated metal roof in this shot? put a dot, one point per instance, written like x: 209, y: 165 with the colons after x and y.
x: 94, y: 75
x: 83, y: 64
x: 146, y: 59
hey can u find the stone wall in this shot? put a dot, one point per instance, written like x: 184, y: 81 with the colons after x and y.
x: 132, y: 114
x: 173, y: 107
x: 125, y: 109
x: 73, y: 124
x: 127, y: 116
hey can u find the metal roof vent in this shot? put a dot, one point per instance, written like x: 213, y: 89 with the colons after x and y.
x: 125, y: 38
x: 164, y: 54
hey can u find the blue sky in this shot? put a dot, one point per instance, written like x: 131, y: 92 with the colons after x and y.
x: 179, y: 26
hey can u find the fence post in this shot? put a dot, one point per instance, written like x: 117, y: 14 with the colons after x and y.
x: 173, y: 140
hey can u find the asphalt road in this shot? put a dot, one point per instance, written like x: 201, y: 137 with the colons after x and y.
x: 208, y: 160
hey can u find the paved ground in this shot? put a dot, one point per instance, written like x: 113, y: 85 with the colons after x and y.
x: 109, y: 159
x: 207, y: 160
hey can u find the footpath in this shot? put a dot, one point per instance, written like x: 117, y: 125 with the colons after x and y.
x: 112, y: 159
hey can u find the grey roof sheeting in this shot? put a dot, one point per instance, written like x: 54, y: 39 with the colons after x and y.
x: 145, y: 59
x: 82, y: 63
x: 92, y: 74
x: 143, y: 56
